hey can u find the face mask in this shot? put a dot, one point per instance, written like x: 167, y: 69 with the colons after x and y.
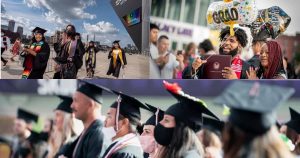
x: 70, y: 33
x: 109, y: 132
x: 148, y: 143
x: 232, y: 53
x: 163, y: 135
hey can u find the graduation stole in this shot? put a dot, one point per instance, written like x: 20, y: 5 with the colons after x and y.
x: 28, y: 63
x: 117, y: 53
x: 125, y: 141
x: 92, y: 51
x: 237, y: 65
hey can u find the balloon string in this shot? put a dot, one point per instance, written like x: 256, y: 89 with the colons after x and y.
x: 231, y: 29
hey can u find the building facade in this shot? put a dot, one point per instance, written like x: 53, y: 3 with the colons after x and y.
x: 183, y: 21
x: 11, y: 25
x: 20, y: 31
x: 289, y: 45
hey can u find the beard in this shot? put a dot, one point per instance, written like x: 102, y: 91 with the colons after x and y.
x: 232, y: 52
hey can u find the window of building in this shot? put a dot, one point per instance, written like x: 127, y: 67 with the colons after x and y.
x: 174, y: 9
x: 189, y: 11
x: 202, y: 13
x: 184, y: 45
x: 174, y: 45
x: 158, y: 8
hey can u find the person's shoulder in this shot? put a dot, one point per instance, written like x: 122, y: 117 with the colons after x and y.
x: 192, y: 154
x: 129, y: 151
x: 246, y: 65
x: 96, y: 126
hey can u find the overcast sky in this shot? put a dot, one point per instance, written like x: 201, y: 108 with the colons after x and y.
x: 291, y: 7
x: 89, y: 17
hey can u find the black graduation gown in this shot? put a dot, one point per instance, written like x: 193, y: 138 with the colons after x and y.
x: 254, y: 61
x: 62, y: 51
x: 90, y: 145
x: 34, y: 144
x: 116, y: 71
x: 90, y: 57
x: 40, y: 61
x: 126, y: 152
x: 186, y: 73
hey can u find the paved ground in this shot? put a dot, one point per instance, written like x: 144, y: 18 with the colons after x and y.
x: 137, y: 67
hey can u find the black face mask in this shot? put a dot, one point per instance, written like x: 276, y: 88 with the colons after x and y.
x: 232, y: 53
x: 163, y: 135
x: 70, y: 33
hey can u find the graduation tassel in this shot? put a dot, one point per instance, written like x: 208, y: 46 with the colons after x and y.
x: 118, y: 111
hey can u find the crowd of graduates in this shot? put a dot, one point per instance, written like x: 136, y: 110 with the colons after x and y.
x: 188, y: 128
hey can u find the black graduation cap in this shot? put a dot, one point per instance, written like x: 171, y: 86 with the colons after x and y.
x: 93, y: 91
x: 36, y: 137
x: 129, y: 107
x: 253, y: 105
x: 65, y: 104
x: 294, y: 123
x: 213, y: 125
x: 27, y: 116
x: 294, y: 114
x: 39, y: 30
x: 157, y: 113
x: 116, y: 41
x: 188, y: 110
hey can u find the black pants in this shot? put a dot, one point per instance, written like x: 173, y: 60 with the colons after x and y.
x: 2, y: 59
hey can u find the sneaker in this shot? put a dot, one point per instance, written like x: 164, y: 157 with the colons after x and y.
x: 4, y: 63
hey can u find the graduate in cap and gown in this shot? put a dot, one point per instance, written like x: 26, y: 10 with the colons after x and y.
x: 250, y: 131
x: 37, y: 56
x: 86, y: 106
x: 293, y: 130
x: 65, y: 127
x: 117, y: 59
x: 147, y: 139
x: 25, y: 143
x: 210, y: 137
x: 90, y: 59
x: 176, y: 133
x: 124, y: 115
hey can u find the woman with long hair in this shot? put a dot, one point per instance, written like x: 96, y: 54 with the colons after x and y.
x: 90, y: 59
x: 65, y: 128
x: 37, y: 56
x: 69, y: 57
x: 176, y: 133
x: 15, y: 50
x: 117, y: 60
x: 250, y: 131
x: 271, y: 63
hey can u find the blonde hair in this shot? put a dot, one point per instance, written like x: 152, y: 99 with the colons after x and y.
x: 269, y: 146
x: 69, y: 130
x: 237, y: 144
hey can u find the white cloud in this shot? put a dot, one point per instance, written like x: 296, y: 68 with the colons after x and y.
x: 33, y: 3
x: 101, y: 27
x: 19, y: 20
x: 54, y: 18
x: 63, y: 10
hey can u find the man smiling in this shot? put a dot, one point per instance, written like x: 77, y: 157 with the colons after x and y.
x: 230, y: 45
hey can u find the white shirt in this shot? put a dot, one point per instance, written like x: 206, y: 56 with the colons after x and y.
x: 154, y: 72
x: 168, y: 70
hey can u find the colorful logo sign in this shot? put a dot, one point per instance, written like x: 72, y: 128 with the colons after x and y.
x: 133, y: 18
